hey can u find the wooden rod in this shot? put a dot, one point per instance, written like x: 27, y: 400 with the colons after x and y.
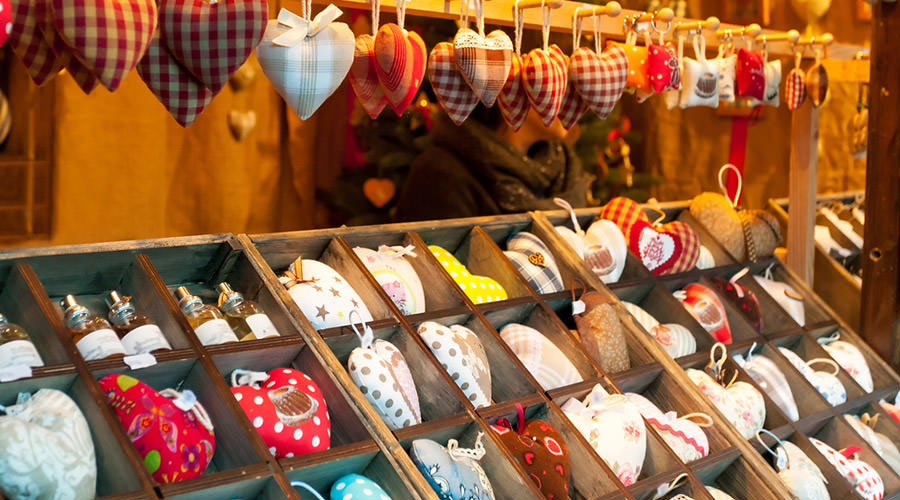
x: 534, y: 4
x: 823, y: 40
x: 711, y: 23
x: 789, y: 36
x: 751, y: 30
x: 611, y: 9
x: 665, y: 14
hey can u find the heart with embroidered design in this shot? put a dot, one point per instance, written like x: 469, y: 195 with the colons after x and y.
x: 453, y: 472
x: 769, y: 377
x: 602, y: 246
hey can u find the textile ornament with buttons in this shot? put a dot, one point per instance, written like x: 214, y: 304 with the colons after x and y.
x: 540, y: 450
x: 170, y: 430
x: 286, y: 408
x: 453, y: 472
x: 535, y: 262
x: 740, y: 296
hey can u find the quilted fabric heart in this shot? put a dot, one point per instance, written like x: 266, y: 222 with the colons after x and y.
x: 741, y: 404
x: 108, y: 36
x: 686, y: 438
x: 546, y: 363
x: 770, y: 379
x: 286, y: 408
x: 613, y: 427
x: 817, y: 84
x: 461, y: 354
x: 852, y: 361
x: 599, y: 79
x: 323, y: 295
x: 46, y: 449
x: 544, y: 76
x: 174, y: 438
x: 705, y: 306
x: 742, y: 297
x: 864, y: 479
x: 535, y: 262
x: 663, y: 68
x: 513, y: 100
x: 358, y: 487
x: 183, y: 96
x: 483, y: 61
x: 479, y: 289
x: 453, y: 473
x: 541, y: 451
x: 785, y: 296
x: 880, y: 444
x: 397, y: 277
x: 602, y: 335
x: 750, y: 75
x: 382, y: 375
x: 212, y: 40
x: 394, y: 64
x: 28, y: 42
x: 450, y: 88
x: 364, y: 78
x: 305, y: 70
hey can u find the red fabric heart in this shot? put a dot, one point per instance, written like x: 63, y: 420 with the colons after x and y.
x: 544, y: 78
x: 599, y: 79
x: 28, y: 43
x: 85, y: 79
x: 573, y: 106
x: 212, y: 40
x: 545, y: 455
x: 750, y: 77
x: 400, y: 64
x: 5, y: 21
x: 513, y: 100
x: 364, y: 78
x: 288, y: 411
x: 795, y: 89
x: 742, y: 297
x: 420, y: 58
x: 663, y: 68
x: 624, y: 213
x: 450, y: 88
x: 108, y: 36
x: 483, y: 62
x: 707, y: 309
x: 184, y: 96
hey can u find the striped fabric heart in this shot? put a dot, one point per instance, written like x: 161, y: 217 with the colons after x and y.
x: 28, y: 43
x: 817, y: 84
x: 546, y: 362
x: 364, y: 78
x: 513, y: 100
x: 450, y: 88
x: 795, y: 89
x: 86, y: 80
x: 420, y: 58
x: 600, y: 79
x: 544, y: 78
x: 483, y: 61
x: 573, y: 107
x: 400, y: 64
x: 108, y: 36
x: 183, y: 95
x: 212, y: 40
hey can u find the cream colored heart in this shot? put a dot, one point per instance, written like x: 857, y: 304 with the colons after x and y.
x: 241, y: 123
x: 483, y: 61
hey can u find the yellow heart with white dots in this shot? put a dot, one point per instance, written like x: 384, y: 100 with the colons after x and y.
x: 479, y: 289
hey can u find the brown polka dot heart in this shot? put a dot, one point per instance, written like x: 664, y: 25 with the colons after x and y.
x: 382, y: 375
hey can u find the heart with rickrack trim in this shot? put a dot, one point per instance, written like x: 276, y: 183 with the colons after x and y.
x: 663, y: 248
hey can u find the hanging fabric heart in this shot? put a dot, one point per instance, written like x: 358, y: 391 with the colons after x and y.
x: 483, y: 61
x: 817, y: 81
x: 28, y: 43
x: 795, y: 86
x: 83, y: 76
x: 182, y: 94
x: 108, y: 36
x: 212, y: 40
x: 513, y: 100
x: 5, y: 20
x: 399, y: 61
x: 363, y: 76
x: 598, y: 78
x: 573, y: 106
x: 306, y: 59
x: 545, y: 75
x: 663, y: 68
x: 450, y: 88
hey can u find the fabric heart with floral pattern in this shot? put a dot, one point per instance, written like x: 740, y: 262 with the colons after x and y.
x: 599, y: 78
x: 705, y: 306
x: 286, y: 408
x: 686, y: 438
x: 454, y: 473
x: 483, y: 61
x: 544, y: 76
x: 851, y: 360
x: 740, y: 296
x: 171, y: 431
x: 364, y: 78
x: 541, y: 451
x: 769, y: 377
x: 740, y: 403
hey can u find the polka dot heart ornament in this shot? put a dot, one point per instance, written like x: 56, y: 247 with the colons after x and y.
x: 461, y: 354
x: 5, y: 20
x: 863, y: 477
x: 380, y: 371
x: 357, y: 487
x: 286, y: 408
x: 750, y: 74
x: 479, y: 289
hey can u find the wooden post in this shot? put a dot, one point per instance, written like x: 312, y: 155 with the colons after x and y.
x: 881, y: 258
x: 802, y: 191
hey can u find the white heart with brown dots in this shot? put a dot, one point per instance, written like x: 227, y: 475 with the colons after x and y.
x: 462, y: 355
x: 382, y: 375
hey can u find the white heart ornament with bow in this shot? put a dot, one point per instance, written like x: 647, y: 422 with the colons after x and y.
x: 306, y: 60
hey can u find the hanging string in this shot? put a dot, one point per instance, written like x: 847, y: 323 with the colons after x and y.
x: 463, y: 14
x: 520, y: 27
x: 247, y: 377
x: 401, y: 13
x: 479, y: 16
x: 186, y: 401
x: 665, y: 489
x: 738, y: 275
x: 545, y: 24
x: 568, y: 208
x: 576, y: 29
x: 737, y: 194
x: 307, y: 487
x: 367, y: 336
x: 376, y: 14
x: 781, y: 457
x: 705, y: 420
x: 306, y: 6
x: 597, y: 45
x: 474, y: 453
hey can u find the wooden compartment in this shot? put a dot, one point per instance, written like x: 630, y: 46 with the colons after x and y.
x: 321, y: 475
x: 882, y: 377
x: 814, y: 314
x: 808, y: 350
x: 259, y: 486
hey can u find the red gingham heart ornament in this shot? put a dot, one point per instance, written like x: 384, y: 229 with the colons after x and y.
x: 5, y: 21
x: 795, y: 89
x: 28, y: 43
x: 599, y: 79
x: 212, y: 40
x: 364, y: 79
x: 64, y: 55
x: 573, y: 106
x: 450, y: 88
x: 544, y: 78
x: 513, y: 100
x: 108, y: 36
x: 483, y: 61
x: 183, y: 96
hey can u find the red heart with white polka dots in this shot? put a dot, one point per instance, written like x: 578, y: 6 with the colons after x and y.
x: 5, y: 21
x: 288, y: 411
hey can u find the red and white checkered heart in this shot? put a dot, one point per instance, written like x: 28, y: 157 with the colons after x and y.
x: 795, y: 88
x: 513, y: 100
x: 364, y: 79
x: 544, y: 79
x: 600, y: 79
x: 400, y: 64
x: 182, y: 94
x: 63, y: 54
x: 212, y: 40
x: 28, y: 43
x: 306, y: 73
x: 484, y: 62
x: 450, y: 88
x: 666, y: 249
x: 108, y: 36
x: 573, y: 106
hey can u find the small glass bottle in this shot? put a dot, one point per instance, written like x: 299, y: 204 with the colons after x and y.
x: 139, y: 334
x: 207, y: 321
x: 16, y: 347
x: 246, y: 318
x: 93, y: 335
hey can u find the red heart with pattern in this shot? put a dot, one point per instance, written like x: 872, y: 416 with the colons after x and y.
x: 513, y: 100
x: 483, y: 61
x: 364, y: 78
x: 750, y: 75
x: 545, y: 455
x: 288, y: 411
x: 573, y: 106
x: 624, y: 213
x: 743, y: 298
x: 450, y: 88
x: 795, y: 89
x: 108, y: 36
x: 663, y: 68
x: 183, y: 96
x: 83, y: 76
x: 5, y: 21
x: 544, y: 78
x: 28, y: 43
x: 212, y: 40
x: 400, y: 64
x: 599, y: 79
x: 705, y: 306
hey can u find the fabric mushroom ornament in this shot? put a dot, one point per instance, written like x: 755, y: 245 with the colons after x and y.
x: 750, y: 74
x: 461, y: 354
x: 534, y: 261
x: 601, y: 333
x: 453, y: 472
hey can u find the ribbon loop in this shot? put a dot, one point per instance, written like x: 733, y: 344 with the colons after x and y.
x: 737, y: 195
x: 187, y: 401
x: 301, y: 28
x: 397, y: 251
x: 475, y: 453
x: 367, y: 336
x: 248, y: 377
x: 568, y: 208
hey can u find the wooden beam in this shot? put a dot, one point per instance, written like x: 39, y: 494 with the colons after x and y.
x: 881, y: 259
x: 802, y: 191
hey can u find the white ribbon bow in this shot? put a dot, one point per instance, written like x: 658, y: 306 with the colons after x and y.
x: 302, y: 28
